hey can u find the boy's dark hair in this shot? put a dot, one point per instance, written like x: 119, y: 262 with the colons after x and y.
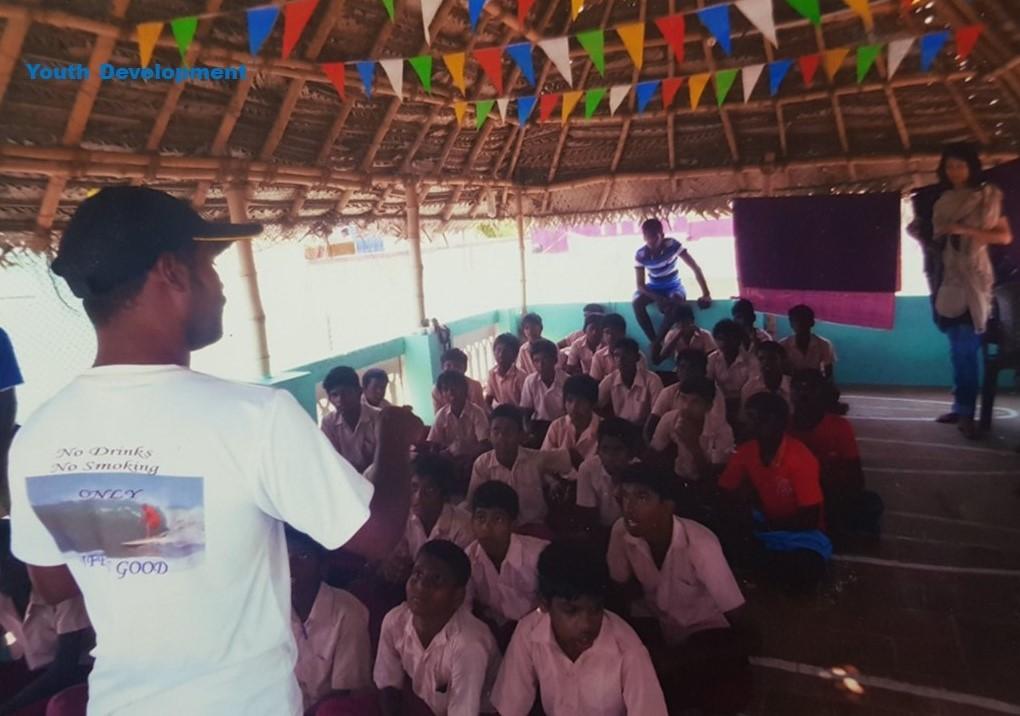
x: 454, y: 355
x: 651, y: 226
x: 571, y: 570
x: 544, y: 346
x: 510, y: 341
x: 450, y: 379
x: 693, y: 355
x: 300, y: 539
x: 582, y: 387
x: 801, y: 310
x: 683, y: 312
x: 966, y: 152
x: 728, y: 327
x: 452, y: 556
x: 509, y: 412
x: 594, y: 319
x: 614, y: 321
x: 374, y: 374
x: 743, y: 307
x: 623, y: 430
x: 439, y: 469
x: 771, y: 347
x: 533, y: 318
x: 341, y: 376
x: 769, y: 405
x: 496, y: 495
x: 627, y: 344
x: 593, y: 308
x: 700, y: 386
x: 659, y: 481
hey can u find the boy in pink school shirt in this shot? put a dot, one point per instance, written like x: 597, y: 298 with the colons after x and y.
x: 744, y: 314
x: 576, y: 656
x: 542, y: 394
x: 689, y: 364
x: 700, y: 437
x: 506, y: 381
x: 576, y: 431
x: 630, y: 391
x: 461, y: 428
x: 456, y: 360
x: 531, y: 330
x: 598, y: 477
x: 732, y: 366
x: 684, y: 335
x: 590, y: 309
x: 582, y: 350
x: 373, y: 388
x: 805, y: 350
x: 770, y: 377
x: 351, y: 427
x: 614, y: 328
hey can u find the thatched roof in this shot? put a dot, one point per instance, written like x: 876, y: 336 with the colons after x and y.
x: 311, y: 160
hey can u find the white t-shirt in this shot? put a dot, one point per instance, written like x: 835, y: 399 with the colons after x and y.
x: 164, y: 491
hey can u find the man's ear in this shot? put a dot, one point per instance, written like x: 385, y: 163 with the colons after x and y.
x: 172, y: 271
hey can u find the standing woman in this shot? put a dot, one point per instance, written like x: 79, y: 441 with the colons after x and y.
x: 967, y: 219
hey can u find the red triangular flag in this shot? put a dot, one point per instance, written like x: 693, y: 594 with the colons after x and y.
x: 295, y: 17
x: 335, y: 72
x: 523, y: 8
x: 546, y: 105
x: 670, y: 86
x: 673, y: 30
x: 491, y: 61
x: 966, y: 38
x: 808, y: 67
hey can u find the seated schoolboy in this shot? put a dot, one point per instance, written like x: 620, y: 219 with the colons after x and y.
x: 505, y: 380
x: 449, y: 657
x: 744, y: 314
x: 849, y: 507
x: 582, y: 350
x: 732, y: 365
x: 770, y: 377
x: 576, y: 431
x: 351, y: 427
x: 689, y: 364
x: 778, y: 476
x: 527, y: 471
x: 614, y: 328
x: 374, y: 382
x: 461, y: 428
x: 701, y: 437
x: 684, y: 335
x: 599, y: 476
x: 590, y: 309
x: 456, y: 360
x: 631, y: 390
x: 330, y: 628
x: 700, y: 639
x: 806, y: 350
x: 542, y: 394
x: 576, y: 656
x: 531, y: 330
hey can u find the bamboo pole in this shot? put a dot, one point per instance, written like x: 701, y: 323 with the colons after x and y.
x: 414, y: 241
x: 521, y: 251
x: 238, y: 204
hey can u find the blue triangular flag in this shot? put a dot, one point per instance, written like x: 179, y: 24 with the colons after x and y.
x: 525, y: 106
x: 777, y: 73
x: 475, y: 12
x: 521, y: 55
x: 717, y: 20
x: 644, y: 91
x: 260, y: 24
x: 366, y: 68
x: 930, y: 46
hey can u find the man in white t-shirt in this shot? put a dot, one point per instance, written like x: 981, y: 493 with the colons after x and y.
x: 161, y: 493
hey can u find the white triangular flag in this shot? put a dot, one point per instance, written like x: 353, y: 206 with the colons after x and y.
x: 759, y: 14
x: 558, y: 50
x: 429, y: 8
x: 394, y: 69
x: 749, y: 78
x: 616, y: 96
x: 503, y: 103
x: 898, y: 50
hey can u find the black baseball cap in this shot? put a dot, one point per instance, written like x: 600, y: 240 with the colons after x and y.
x: 118, y: 234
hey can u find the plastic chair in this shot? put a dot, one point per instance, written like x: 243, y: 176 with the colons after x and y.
x: 1001, y: 347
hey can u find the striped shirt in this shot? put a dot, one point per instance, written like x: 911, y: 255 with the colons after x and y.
x: 660, y: 266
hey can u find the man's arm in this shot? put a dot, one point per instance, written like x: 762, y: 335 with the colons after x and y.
x: 8, y: 411
x: 698, y: 275
x: 53, y: 584
x: 642, y: 287
x: 998, y: 235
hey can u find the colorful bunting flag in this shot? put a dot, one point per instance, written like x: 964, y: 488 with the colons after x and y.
x: 670, y: 86
x: 592, y: 99
x: 749, y: 79
x: 523, y: 8
x: 759, y: 13
x: 459, y: 110
x: 260, y: 24
x: 366, y: 69
x: 482, y: 110
x: 833, y: 60
x: 594, y: 43
x: 717, y: 20
x: 966, y: 38
x: 866, y: 56
x: 633, y: 38
x: 724, y: 80
x: 696, y: 87
x: 931, y: 44
x: 503, y: 103
x: 148, y: 33
x: 490, y: 59
x: 422, y: 66
x: 546, y: 105
x: 558, y: 51
x: 616, y: 96
x: 455, y: 64
x: 295, y: 16
x: 898, y: 51
x: 808, y: 9
x: 336, y: 72
x: 862, y: 8
x: 183, y: 29
x: 643, y: 93
x: 808, y: 67
x: 475, y: 12
x: 570, y: 100
x: 520, y: 53
x: 525, y: 106
x: 429, y: 8
x: 575, y: 8
x: 394, y: 69
x: 388, y: 4
x: 777, y: 73
x: 673, y: 30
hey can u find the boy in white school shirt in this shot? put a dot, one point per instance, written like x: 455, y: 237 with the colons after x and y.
x: 374, y: 382
x: 590, y: 309
x: 614, y: 328
x: 770, y: 377
x: 542, y: 394
x: 732, y: 366
x: 456, y: 360
x: 352, y: 427
x: 743, y: 313
x: 685, y: 334
x: 531, y: 330
x: 576, y: 431
x: 598, y: 478
x: 701, y: 437
x: 631, y: 390
x: 578, y: 657
x: 461, y: 428
x: 506, y: 380
x: 806, y: 350
x: 581, y: 350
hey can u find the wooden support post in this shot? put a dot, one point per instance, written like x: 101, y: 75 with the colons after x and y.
x: 414, y: 240
x: 522, y: 251
x: 237, y: 202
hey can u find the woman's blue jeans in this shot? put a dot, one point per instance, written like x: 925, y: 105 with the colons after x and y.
x: 964, y: 351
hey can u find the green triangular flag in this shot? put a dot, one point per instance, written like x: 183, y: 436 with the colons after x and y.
x: 482, y: 109
x: 592, y: 98
x: 866, y: 56
x: 388, y: 4
x: 422, y: 66
x: 184, y: 32
x: 723, y: 83
x: 594, y: 43
x: 807, y: 8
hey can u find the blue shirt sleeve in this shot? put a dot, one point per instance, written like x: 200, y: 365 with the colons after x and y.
x: 10, y: 374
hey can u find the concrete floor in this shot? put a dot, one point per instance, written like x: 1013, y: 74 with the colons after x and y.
x: 926, y: 619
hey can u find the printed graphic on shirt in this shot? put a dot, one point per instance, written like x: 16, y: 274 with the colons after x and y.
x: 131, y: 524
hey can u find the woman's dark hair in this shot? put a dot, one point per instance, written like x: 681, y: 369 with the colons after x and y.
x: 965, y: 152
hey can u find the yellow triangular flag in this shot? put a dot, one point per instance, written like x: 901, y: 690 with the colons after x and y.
x: 570, y: 100
x: 833, y: 60
x: 862, y: 8
x: 455, y: 64
x: 148, y: 34
x: 696, y: 84
x: 459, y: 110
x: 633, y: 38
x: 575, y: 8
